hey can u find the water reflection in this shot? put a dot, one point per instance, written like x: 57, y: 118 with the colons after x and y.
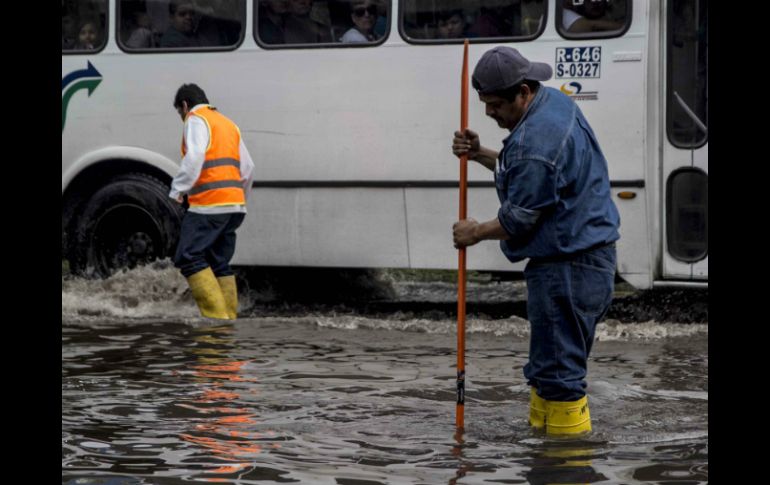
x: 672, y: 473
x: 564, y: 463
x: 457, y: 452
x: 223, y: 430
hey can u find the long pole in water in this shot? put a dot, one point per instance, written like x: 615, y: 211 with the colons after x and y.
x: 460, y: 415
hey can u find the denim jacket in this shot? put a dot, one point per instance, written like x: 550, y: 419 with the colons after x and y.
x: 552, y: 182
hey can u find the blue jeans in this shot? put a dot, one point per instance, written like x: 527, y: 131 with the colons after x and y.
x: 566, y: 298
x: 207, y: 240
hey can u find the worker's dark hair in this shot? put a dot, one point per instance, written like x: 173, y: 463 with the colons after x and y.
x: 191, y: 93
x: 510, y: 94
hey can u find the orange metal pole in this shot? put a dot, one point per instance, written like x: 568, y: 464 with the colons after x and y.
x: 460, y: 415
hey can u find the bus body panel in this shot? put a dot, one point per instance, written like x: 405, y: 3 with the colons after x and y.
x: 431, y: 213
x: 317, y: 227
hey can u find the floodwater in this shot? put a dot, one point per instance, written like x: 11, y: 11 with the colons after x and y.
x: 153, y: 394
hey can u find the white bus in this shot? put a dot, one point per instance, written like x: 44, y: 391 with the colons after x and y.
x: 352, y: 140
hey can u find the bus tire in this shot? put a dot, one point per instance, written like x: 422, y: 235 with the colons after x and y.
x: 128, y: 222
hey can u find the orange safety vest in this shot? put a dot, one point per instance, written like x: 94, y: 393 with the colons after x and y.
x: 220, y: 180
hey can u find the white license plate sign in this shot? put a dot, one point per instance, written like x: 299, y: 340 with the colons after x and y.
x: 578, y: 62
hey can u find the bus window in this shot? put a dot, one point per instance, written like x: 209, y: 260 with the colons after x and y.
x: 180, y: 24
x: 687, y: 96
x: 321, y: 23
x: 492, y: 20
x: 592, y: 19
x: 687, y: 216
x: 83, y: 26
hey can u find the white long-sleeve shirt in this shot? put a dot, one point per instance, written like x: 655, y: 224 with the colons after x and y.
x: 196, y: 135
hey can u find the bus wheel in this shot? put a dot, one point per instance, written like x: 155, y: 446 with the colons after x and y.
x: 128, y: 222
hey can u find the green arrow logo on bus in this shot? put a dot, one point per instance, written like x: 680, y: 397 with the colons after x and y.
x: 73, y: 82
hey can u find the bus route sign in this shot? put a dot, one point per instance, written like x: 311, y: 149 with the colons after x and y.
x: 578, y: 62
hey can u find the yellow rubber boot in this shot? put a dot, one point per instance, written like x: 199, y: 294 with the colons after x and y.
x: 230, y: 292
x: 567, y: 417
x: 207, y: 294
x: 537, y: 410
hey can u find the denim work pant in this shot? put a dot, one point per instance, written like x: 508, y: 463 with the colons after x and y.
x: 566, y: 299
x: 207, y: 240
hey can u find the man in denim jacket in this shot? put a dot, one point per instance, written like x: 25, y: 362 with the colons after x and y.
x: 556, y: 209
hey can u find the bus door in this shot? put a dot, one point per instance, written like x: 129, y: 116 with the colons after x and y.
x: 684, y: 185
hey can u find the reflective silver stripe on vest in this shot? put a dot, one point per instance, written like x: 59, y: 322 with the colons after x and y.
x: 216, y: 185
x: 221, y: 162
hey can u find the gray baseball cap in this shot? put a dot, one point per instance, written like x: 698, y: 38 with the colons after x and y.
x: 502, y: 67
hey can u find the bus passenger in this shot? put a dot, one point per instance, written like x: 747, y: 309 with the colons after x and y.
x: 587, y: 16
x: 363, y: 13
x: 181, y: 31
x: 271, y: 20
x: 451, y: 24
x: 215, y: 174
x: 89, y: 35
x: 494, y: 22
x: 215, y: 25
x: 140, y: 36
x: 532, y: 15
x: 556, y: 209
x: 300, y: 28
x: 69, y: 31
x: 381, y: 25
